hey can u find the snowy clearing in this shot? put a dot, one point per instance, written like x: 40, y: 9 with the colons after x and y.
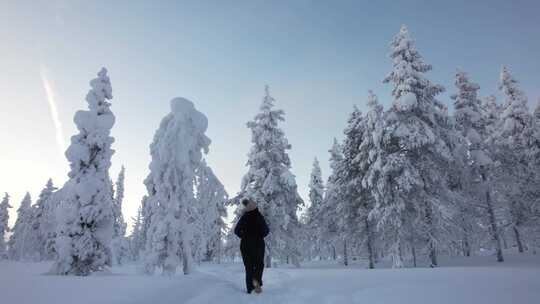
x: 515, y: 281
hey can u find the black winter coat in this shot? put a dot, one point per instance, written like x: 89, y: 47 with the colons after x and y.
x: 251, y: 226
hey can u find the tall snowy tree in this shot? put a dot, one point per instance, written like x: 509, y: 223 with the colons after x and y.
x: 365, y: 165
x: 4, y: 225
x: 512, y: 140
x: 349, y: 185
x: 534, y: 156
x: 41, y: 223
x: 328, y: 228
x: 411, y: 183
x: 19, y: 243
x: 271, y: 184
x: 472, y: 121
x: 85, y: 215
x: 119, y: 244
x: 314, y: 220
x: 176, y: 153
x: 360, y: 152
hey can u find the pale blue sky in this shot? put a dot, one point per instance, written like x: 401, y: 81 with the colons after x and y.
x: 319, y: 58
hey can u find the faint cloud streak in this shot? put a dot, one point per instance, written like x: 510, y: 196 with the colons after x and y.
x: 53, y: 108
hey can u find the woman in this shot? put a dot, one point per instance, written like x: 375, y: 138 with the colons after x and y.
x: 252, y: 229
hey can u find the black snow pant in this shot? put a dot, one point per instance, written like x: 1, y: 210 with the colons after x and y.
x: 253, y: 257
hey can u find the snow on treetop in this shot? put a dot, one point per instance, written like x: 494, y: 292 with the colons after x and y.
x: 101, y: 90
x: 185, y: 109
x: 406, y: 102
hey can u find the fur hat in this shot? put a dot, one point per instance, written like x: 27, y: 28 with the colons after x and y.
x: 249, y: 204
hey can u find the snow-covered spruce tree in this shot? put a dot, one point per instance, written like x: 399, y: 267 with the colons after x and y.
x: 119, y: 245
x: 136, y: 241
x: 211, y: 199
x: 84, y: 216
x: 472, y: 122
x: 147, y: 209
x: 511, y: 141
x: 271, y: 184
x: 349, y: 214
x: 328, y: 229
x: 41, y: 222
x: 411, y: 183
x: 360, y: 152
x: 176, y: 154
x: 534, y: 156
x: 50, y: 223
x: 4, y: 225
x: 366, y: 163
x: 313, y: 214
x: 19, y: 243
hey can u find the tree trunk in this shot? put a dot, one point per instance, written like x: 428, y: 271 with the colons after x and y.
x: 518, y: 238
x: 505, y: 243
x: 413, y: 252
x: 494, y: 228
x: 433, y: 254
x: 334, y: 254
x: 268, y: 261
x: 397, y: 259
x: 466, y: 245
x: 345, y: 257
x: 295, y: 260
x: 187, y: 261
x: 432, y: 247
x: 369, y: 244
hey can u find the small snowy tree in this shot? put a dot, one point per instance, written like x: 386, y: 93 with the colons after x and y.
x: 176, y: 154
x: 85, y: 218
x: 19, y: 244
x: 211, y: 197
x: 271, y: 184
x: 314, y: 220
x: 119, y: 245
x: 4, y: 225
x: 136, y: 239
x: 316, y: 188
x: 41, y: 223
x: 145, y: 218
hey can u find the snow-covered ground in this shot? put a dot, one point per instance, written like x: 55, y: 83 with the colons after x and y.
x: 475, y: 280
